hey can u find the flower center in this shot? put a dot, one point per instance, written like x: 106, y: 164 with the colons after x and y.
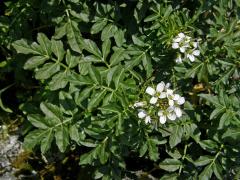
x: 163, y: 103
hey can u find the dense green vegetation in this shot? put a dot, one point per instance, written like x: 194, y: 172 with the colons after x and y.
x: 85, y: 79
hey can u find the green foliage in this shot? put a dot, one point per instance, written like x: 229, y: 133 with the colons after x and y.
x: 88, y: 62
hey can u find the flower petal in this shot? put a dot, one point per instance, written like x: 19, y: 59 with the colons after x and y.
x: 179, y: 59
x: 162, y: 119
x: 172, y: 116
x: 150, y: 91
x: 191, y: 57
x: 153, y: 100
x: 196, y: 52
x: 178, y: 111
x: 160, y: 113
x: 182, y: 49
x: 177, y: 39
x: 160, y: 86
x: 176, y: 97
x: 181, y: 35
x: 139, y: 104
x: 148, y: 119
x: 169, y: 92
x: 195, y: 44
x: 167, y: 85
x: 170, y: 102
x: 162, y: 95
x: 142, y: 114
x: 181, y: 100
x: 175, y: 45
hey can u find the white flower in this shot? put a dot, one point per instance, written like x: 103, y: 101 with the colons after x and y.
x: 161, y: 87
x: 168, y: 113
x: 150, y: 91
x: 178, y: 99
x: 181, y: 41
x: 142, y: 114
x: 175, y: 45
x: 178, y: 111
x: 191, y: 56
x: 195, y: 45
x: 148, y: 119
x: 170, y: 97
x: 139, y: 104
x: 158, y: 93
x: 179, y: 59
x: 179, y: 38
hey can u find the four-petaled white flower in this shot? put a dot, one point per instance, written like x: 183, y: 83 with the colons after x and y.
x: 168, y: 113
x: 187, y: 46
x: 157, y: 93
x: 191, y: 55
x: 139, y: 104
x: 142, y: 114
x: 181, y: 42
x: 179, y: 59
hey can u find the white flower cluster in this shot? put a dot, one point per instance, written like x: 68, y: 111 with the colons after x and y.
x: 163, y: 103
x: 188, y: 47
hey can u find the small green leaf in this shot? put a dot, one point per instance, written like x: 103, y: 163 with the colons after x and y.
x: 225, y: 119
x: 51, y: 111
x: 95, y: 75
x: 143, y: 149
x: 176, y: 135
x: 209, y: 145
x: 58, y: 81
x: 106, y: 47
x: 110, y: 74
x: 153, y: 149
x: 75, y: 135
x: 74, y: 37
x: 62, y: 139
x: 35, y: 61
x: 147, y: 64
x: 47, y: 141
x: 138, y: 41
x: 38, y: 121
x: 213, y: 99
x: 77, y: 79
x: 72, y: 60
x: 203, y: 160
x: 108, y: 31
x: 98, y: 26
x: 96, y: 99
x: 119, y: 37
x: 119, y: 76
x: 232, y: 133
x: 45, y: 44
x: 84, y: 94
x: 111, y: 108
x: 1, y: 103
x: 57, y: 49
x: 60, y: 31
x: 102, y: 154
x: 33, y: 138
x: 207, y: 172
x: 170, y: 165
x: 91, y: 47
x: 117, y: 57
x: 218, y: 170
x: 47, y: 70
x: 23, y: 47
x: 217, y: 112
